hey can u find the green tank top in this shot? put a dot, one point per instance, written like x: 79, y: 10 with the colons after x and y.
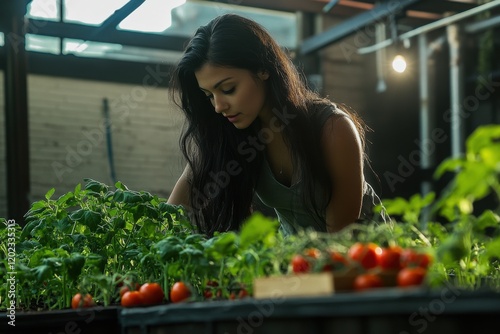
x: 292, y: 211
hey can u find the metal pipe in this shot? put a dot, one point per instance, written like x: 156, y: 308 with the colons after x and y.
x: 328, y: 7
x: 456, y: 90
x: 426, y: 122
x: 482, y: 25
x: 431, y: 26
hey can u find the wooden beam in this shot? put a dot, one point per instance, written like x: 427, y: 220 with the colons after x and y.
x: 111, y: 70
x: 351, y: 25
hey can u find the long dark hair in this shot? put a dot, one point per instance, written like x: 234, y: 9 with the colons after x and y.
x: 222, y: 199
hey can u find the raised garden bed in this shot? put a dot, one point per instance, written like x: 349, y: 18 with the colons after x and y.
x: 387, y: 311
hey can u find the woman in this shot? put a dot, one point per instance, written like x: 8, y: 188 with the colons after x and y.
x: 254, y: 127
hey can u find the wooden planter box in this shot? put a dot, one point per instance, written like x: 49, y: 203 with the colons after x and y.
x: 312, y: 285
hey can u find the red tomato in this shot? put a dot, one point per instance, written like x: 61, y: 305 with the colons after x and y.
x: 367, y: 281
x: 412, y: 258
x: 151, y: 294
x: 179, y: 292
x: 336, y: 261
x: 242, y: 294
x: 210, y: 288
x: 312, y: 253
x: 126, y: 288
x: 411, y: 276
x: 365, y: 254
x: 131, y: 299
x: 300, y: 264
x: 389, y: 258
x: 77, y: 301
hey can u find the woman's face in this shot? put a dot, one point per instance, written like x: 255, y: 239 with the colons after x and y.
x: 235, y: 93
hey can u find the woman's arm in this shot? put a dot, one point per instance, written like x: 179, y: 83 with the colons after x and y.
x: 344, y: 159
x: 180, y: 193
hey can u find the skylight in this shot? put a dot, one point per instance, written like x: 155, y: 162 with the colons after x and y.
x: 151, y: 16
x: 179, y: 18
x: 91, y: 12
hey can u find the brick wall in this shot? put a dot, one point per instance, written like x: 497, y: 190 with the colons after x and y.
x: 68, y: 137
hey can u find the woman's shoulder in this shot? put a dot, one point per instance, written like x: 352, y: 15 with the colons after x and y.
x: 321, y: 109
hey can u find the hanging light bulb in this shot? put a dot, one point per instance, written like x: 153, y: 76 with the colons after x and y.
x: 399, y: 64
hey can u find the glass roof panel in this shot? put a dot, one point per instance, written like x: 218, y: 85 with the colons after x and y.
x: 91, y: 12
x: 151, y: 16
x: 167, y: 17
x: 186, y: 18
x: 46, y: 44
x: 83, y: 48
x: 43, y: 9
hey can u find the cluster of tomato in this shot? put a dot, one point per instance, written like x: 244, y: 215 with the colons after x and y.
x: 214, y: 292
x: 147, y: 294
x: 373, y: 264
x: 135, y: 295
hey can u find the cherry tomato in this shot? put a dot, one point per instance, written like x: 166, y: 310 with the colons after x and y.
x: 77, y: 301
x: 210, y: 288
x: 242, y: 294
x: 412, y: 258
x: 367, y: 281
x: 312, y: 253
x: 131, y: 299
x: 151, y: 294
x: 365, y: 254
x: 300, y: 264
x: 335, y: 261
x: 411, y: 276
x: 389, y: 257
x: 127, y: 287
x: 179, y: 292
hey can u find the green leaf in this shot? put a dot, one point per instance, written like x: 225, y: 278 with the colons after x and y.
x: 258, y: 228
x: 66, y: 199
x: 97, y: 262
x: 27, y: 245
x: 453, y: 249
x: 89, y: 218
x: 127, y: 196
x: 490, y: 156
x: 194, y: 239
x: 77, y: 190
x: 482, y: 137
x: 64, y: 225
x: 42, y: 272
x: 222, y: 245
x: 168, y: 249
x: 396, y: 206
x: 49, y: 193
x: 74, y: 265
x: 95, y: 186
x: 28, y: 228
x: 448, y: 165
x: 192, y: 252
x: 145, y: 210
x: 36, y: 208
x: 118, y: 223
x: 487, y: 219
x: 493, y: 248
x: 120, y: 185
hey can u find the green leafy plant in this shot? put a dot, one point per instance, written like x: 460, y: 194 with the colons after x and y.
x: 83, y: 239
x: 466, y: 244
